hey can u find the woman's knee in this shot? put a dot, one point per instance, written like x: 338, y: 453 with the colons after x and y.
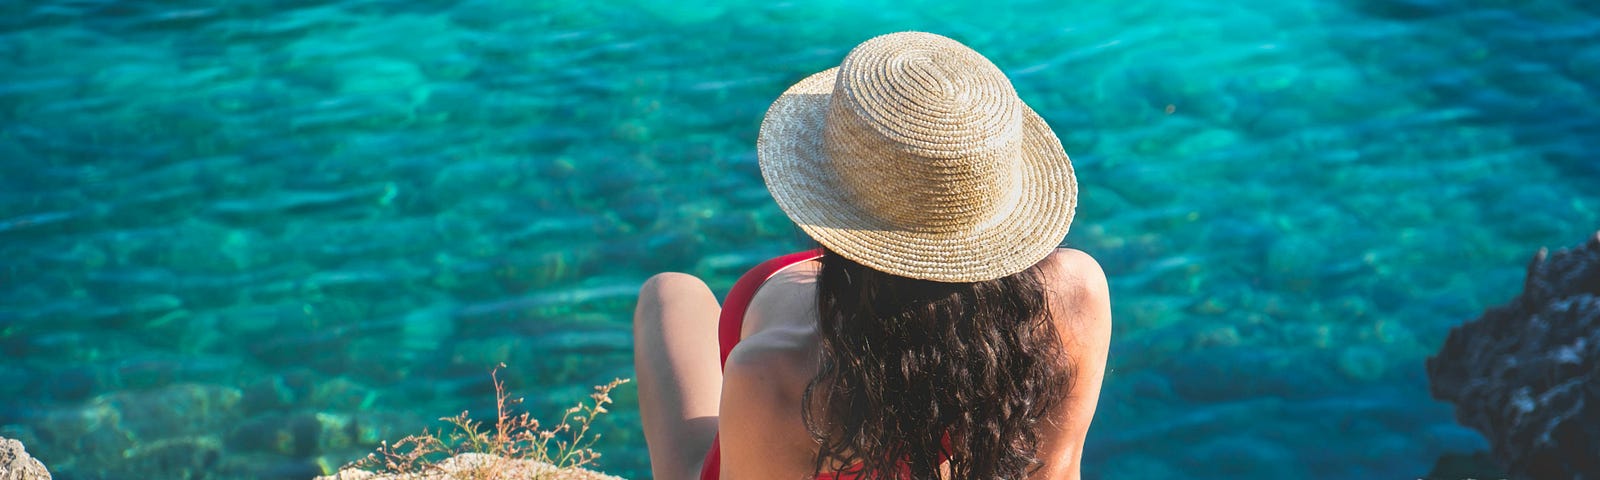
x: 672, y: 285
x: 671, y: 291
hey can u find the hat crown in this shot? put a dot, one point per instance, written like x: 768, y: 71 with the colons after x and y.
x: 916, y: 158
x: 925, y: 133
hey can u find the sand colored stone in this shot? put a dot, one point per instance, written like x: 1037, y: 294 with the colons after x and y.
x: 16, y: 464
x: 473, y: 466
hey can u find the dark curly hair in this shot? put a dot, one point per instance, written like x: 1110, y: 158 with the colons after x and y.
x: 914, y: 371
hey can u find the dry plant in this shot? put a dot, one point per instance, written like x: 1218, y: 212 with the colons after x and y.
x: 513, y: 439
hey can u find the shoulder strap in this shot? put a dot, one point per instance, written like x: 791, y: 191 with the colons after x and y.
x: 738, y: 300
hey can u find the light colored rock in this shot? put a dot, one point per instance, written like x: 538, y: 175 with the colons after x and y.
x: 480, y: 466
x: 16, y: 464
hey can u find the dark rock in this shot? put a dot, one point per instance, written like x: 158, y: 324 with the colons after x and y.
x: 16, y: 464
x: 1527, y: 375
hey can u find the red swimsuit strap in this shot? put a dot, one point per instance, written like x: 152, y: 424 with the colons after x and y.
x: 731, y: 322
x: 738, y: 299
x: 729, y: 326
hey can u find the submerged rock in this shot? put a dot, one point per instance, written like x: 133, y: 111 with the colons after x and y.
x: 168, y: 432
x: 1527, y: 375
x: 16, y: 464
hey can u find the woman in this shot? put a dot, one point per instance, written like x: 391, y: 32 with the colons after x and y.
x: 938, y: 333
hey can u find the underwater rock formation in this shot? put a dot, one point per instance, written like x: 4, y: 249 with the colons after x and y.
x: 16, y: 464
x: 1527, y: 375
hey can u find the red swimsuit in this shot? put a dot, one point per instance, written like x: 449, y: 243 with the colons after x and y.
x: 729, y: 326
x: 732, y: 322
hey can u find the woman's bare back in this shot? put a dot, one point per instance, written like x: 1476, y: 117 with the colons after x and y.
x: 762, y: 434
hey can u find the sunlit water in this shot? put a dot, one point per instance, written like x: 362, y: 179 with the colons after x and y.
x: 254, y: 240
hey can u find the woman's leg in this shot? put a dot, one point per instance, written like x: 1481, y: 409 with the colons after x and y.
x: 680, y: 380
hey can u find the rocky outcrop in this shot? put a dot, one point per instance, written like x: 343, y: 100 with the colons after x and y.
x: 16, y: 464
x: 477, y: 465
x: 1527, y: 375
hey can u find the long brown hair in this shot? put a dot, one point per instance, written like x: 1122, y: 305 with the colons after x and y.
x: 914, y: 371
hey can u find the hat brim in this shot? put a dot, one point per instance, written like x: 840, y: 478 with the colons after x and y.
x: 798, y: 175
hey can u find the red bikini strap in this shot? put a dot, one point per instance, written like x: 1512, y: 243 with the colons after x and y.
x: 738, y: 299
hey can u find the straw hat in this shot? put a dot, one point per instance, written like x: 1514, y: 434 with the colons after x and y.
x: 915, y: 157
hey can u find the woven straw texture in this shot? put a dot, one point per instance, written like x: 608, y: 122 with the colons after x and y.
x: 915, y: 157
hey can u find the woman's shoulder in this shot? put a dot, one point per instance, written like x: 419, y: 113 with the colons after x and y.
x: 779, y: 339
x: 1080, y: 306
x: 1069, y: 270
x: 1080, y: 296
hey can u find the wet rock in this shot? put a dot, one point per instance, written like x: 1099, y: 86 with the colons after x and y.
x: 16, y: 464
x: 1527, y: 375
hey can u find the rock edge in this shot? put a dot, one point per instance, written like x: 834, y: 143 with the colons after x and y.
x: 1527, y: 375
x: 473, y: 465
x: 16, y: 464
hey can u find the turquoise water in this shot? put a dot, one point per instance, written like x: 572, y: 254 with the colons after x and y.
x: 251, y: 241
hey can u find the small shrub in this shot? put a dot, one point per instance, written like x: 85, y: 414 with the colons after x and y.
x: 512, y: 439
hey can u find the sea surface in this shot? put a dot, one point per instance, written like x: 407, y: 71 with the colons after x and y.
x: 252, y: 239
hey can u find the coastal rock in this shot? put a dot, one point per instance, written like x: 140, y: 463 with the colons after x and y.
x: 478, y: 465
x: 1527, y: 375
x: 16, y: 464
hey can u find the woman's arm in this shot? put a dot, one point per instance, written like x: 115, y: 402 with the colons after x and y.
x: 762, y: 432
x: 1081, y: 307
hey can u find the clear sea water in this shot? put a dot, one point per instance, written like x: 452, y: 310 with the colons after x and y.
x: 250, y: 239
